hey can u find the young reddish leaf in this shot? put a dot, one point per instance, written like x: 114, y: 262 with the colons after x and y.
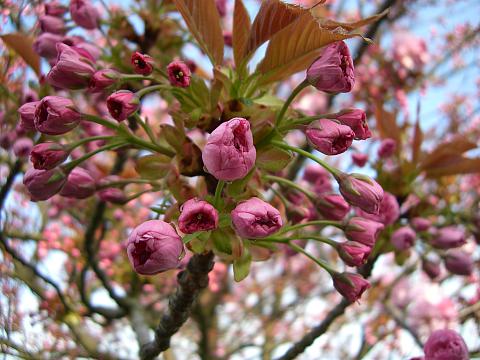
x: 453, y: 165
x: 23, y: 46
x: 241, y: 29
x: 297, y: 45
x: 386, y: 122
x: 454, y: 147
x: 417, y: 142
x: 203, y: 21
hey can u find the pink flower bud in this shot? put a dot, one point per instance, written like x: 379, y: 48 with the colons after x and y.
x: 387, y: 148
x: 459, y: 262
x: 403, y: 238
x: 43, y: 184
x: 357, y: 121
x: 112, y: 195
x: 329, y: 137
x: 359, y: 159
x: 142, y: 64
x: 229, y: 153
x: 332, y: 206
x: 363, y: 230
x: 85, y: 14
x: 122, y: 104
x: 254, y: 218
x: 448, y: 237
x: 228, y: 38
x: 46, y: 156
x: 102, y: 79
x: 51, y: 24
x: 431, y: 268
x: 80, y: 184
x: 350, y: 286
x: 55, y: 115
x: 354, y: 253
x: 22, y: 147
x: 420, y: 224
x: 333, y: 71
x: 154, y: 247
x: 318, y: 177
x: 46, y: 45
x: 72, y: 70
x: 389, y: 210
x: 178, y: 74
x: 221, y: 7
x: 27, y: 115
x: 361, y: 191
x: 53, y: 8
x: 445, y: 345
x: 197, y: 215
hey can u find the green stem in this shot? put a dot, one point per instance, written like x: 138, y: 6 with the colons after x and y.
x: 293, y: 123
x: 145, y: 127
x: 287, y: 103
x: 330, y: 169
x: 321, y: 263
x: 310, y: 223
x: 290, y: 183
x: 99, y: 120
x: 69, y: 166
x: 328, y: 241
x: 218, y: 193
x: 149, y: 89
x: 127, y: 77
x: 124, y: 182
x: 86, y: 140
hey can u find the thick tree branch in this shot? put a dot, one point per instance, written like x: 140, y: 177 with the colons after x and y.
x: 190, y: 282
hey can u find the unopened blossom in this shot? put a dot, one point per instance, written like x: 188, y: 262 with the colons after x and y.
x: 333, y: 71
x: 332, y: 206
x: 459, y: 262
x: 403, y: 238
x: 71, y: 70
x: 388, y: 213
x: 197, y: 215
x: 178, y: 73
x: 354, y: 253
x: 112, y: 195
x: 51, y: 24
x: 154, y: 247
x: 142, y: 63
x: 22, y: 147
x: 102, y: 79
x: 47, y: 155
x: 255, y: 218
x: 27, y: 115
x: 55, y: 115
x: 350, y: 286
x: 329, y: 137
x: 431, y: 268
x: 356, y: 119
x: 445, y: 344
x: 80, y: 184
x: 43, y: 184
x: 85, y: 14
x: 363, y: 230
x: 122, y: 104
x: 448, y: 237
x: 318, y: 177
x: 54, y: 8
x: 359, y: 159
x: 387, y: 148
x: 221, y: 7
x: 361, y: 191
x: 45, y: 45
x: 229, y: 153
x: 420, y: 224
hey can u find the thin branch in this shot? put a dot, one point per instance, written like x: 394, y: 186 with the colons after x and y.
x: 8, y: 184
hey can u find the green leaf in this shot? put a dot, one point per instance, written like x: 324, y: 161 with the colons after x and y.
x: 237, y: 187
x: 189, y: 237
x: 273, y: 159
x: 221, y: 239
x: 153, y: 167
x: 241, y: 266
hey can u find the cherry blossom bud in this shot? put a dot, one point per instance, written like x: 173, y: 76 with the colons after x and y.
x: 85, y: 14
x: 53, y: 8
x: 221, y: 7
x: 445, y: 345
x: 229, y: 153
x: 154, y: 247
x: 72, y: 70
x: 55, y: 115
x: 255, y: 218
x: 459, y: 262
x: 178, y: 74
x: 357, y: 121
x: 403, y: 238
x: 27, y: 115
x: 142, y: 64
x: 46, y: 156
x: 197, y: 215
x: 51, y: 24
x: 318, y: 177
x: 350, y: 286
x: 102, y: 79
x: 228, y: 38
x: 448, y: 237
x: 45, y: 45
x: 112, y: 195
x: 329, y: 137
x: 43, y: 184
x: 80, y: 184
x: 389, y: 210
x: 22, y: 147
x: 361, y: 191
x: 333, y: 71
x: 359, y: 159
x: 431, y: 268
x: 387, y: 148
x: 420, y: 224
x: 354, y: 253
x: 362, y: 230
x: 122, y: 104
x: 332, y: 206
